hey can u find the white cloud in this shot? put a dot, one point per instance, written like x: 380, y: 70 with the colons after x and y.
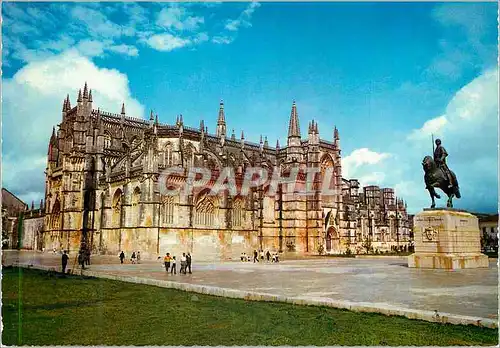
x: 178, y: 18
x: 471, y: 21
x: 97, y: 24
x: 128, y: 50
x: 167, y: 42
x: 359, y: 160
x: 32, y: 102
x: 222, y: 40
x: 243, y: 19
x: 430, y: 127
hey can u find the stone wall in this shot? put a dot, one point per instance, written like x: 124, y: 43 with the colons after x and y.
x: 31, y: 234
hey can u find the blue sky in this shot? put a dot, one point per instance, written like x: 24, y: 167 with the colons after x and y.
x: 386, y: 74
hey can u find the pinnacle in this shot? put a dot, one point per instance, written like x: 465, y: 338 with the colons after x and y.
x: 222, y: 116
x: 293, y: 127
x: 85, y: 91
x: 123, y: 108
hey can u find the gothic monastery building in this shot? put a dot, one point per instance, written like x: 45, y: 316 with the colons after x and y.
x: 104, y: 191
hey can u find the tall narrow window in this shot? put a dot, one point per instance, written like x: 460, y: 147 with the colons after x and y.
x: 107, y: 141
x: 205, y: 210
x: 168, y: 155
x: 136, y: 211
x: 55, y: 219
x: 167, y: 210
x: 117, y: 208
x: 237, y: 214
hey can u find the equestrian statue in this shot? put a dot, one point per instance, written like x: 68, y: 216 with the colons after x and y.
x: 437, y: 174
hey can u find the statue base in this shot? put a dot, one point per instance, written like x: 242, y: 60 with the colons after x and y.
x: 447, y: 239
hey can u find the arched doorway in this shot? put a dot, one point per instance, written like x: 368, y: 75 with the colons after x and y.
x: 332, y: 240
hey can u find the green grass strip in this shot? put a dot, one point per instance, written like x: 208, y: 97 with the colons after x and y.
x: 77, y: 310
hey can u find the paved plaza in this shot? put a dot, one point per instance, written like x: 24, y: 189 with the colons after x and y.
x: 378, y: 281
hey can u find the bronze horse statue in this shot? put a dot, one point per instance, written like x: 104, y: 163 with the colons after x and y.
x: 435, y: 177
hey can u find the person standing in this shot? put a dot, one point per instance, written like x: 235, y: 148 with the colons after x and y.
x: 122, y: 257
x: 183, y: 264
x: 81, y: 260
x: 87, y: 257
x: 64, y: 262
x: 132, y: 258
x: 188, y: 263
x: 174, y: 268
x: 255, y: 256
x: 268, y: 256
x: 138, y: 257
x: 166, y: 260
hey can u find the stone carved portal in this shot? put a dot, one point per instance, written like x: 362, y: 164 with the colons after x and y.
x: 332, y: 240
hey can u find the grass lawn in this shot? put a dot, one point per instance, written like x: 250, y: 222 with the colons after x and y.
x: 40, y: 308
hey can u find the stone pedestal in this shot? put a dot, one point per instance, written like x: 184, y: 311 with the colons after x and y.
x: 447, y: 239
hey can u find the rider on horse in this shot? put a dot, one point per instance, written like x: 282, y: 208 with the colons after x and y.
x: 440, y: 155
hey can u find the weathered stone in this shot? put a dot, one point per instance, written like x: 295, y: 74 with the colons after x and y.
x: 448, y: 239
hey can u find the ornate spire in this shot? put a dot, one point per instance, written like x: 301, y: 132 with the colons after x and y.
x: 242, y: 135
x: 293, y: 127
x: 335, y: 133
x: 32, y: 205
x: 202, y: 126
x: 65, y: 105
x: 222, y: 117
x: 277, y: 144
x: 151, y: 116
x: 79, y: 99
x: 221, y: 122
x: 68, y: 102
x: 266, y: 144
x: 156, y: 119
x: 53, y: 136
x: 260, y: 142
x: 85, y: 91
x: 90, y: 96
x: 123, y: 108
x: 233, y: 136
x: 180, y: 119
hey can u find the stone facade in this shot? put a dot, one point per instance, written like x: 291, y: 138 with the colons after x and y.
x: 31, y: 236
x: 374, y: 215
x: 104, y: 188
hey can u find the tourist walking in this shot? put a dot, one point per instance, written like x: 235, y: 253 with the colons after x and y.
x: 255, y: 256
x: 122, y: 256
x: 262, y: 255
x: 268, y: 256
x: 188, y: 263
x: 183, y: 264
x: 138, y: 257
x: 166, y: 260
x: 64, y: 262
x: 132, y: 258
x: 174, y: 268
